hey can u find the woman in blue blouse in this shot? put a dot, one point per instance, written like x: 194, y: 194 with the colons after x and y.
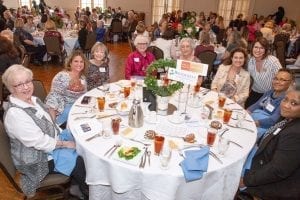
x: 266, y: 110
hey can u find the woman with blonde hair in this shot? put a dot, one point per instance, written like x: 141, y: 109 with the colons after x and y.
x: 98, y: 70
x: 67, y: 86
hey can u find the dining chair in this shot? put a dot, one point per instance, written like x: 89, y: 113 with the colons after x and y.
x: 280, y: 50
x: 131, y: 45
x: 51, y: 183
x: 116, y: 29
x: 39, y: 90
x: 53, y: 47
x: 90, y: 41
x: 157, y: 52
x: 208, y: 57
x: 25, y: 57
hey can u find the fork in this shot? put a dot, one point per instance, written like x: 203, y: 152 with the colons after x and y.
x: 85, y: 117
x: 94, y: 136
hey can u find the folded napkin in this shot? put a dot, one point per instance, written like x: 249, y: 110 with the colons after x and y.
x: 195, y: 163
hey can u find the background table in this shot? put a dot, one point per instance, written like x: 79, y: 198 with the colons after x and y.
x: 112, y: 179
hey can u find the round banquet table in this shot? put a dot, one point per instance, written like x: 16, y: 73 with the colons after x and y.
x: 110, y: 178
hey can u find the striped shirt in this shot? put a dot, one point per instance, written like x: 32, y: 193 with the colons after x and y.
x: 262, y: 81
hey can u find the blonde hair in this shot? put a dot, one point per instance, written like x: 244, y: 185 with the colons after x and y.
x: 19, y: 23
x: 99, y: 45
x: 50, y: 25
x: 8, y: 75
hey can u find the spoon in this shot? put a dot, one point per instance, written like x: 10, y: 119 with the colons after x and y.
x: 94, y: 136
x: 149, y: 154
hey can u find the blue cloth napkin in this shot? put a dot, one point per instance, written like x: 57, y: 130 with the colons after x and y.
x: 195, y: 163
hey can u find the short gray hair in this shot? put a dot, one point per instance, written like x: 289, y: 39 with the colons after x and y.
x: 10, y: 72
x: 189, y: 40
x: 141, y: 39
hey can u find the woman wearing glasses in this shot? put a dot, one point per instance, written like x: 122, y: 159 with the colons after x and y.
x: 262, y: 68
x: 38, y: 145
x: 274, y: 172
x: 266, y: 111
x: 138, y: 61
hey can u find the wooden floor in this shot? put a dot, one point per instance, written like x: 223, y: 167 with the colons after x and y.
x: 118, y: 52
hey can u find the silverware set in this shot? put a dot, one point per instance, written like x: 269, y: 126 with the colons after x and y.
x: 94, y: 136
x: 147, y: 154
x: 110, y: 151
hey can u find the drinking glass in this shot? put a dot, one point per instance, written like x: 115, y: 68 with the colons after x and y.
x: 222, y: 99
x: 101, y: 103
x: 211, y: 136
x: 126, y: 91
x: 115, y: 125
x: 158, y: 144
x: 223, y: 145
x: 227, y: 115
x: 165, y: 157
x: 133, y: 82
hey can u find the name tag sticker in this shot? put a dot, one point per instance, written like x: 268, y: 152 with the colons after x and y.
x: 39, y: 114
x: 270, y: 107
x: 277, y: 131
x: 136, y: 59
x: 102, y: 69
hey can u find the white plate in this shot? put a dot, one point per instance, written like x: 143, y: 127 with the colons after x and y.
x: 149, y: 121
x: 130, y: 134
x: 176, y: 119
x: 135, y: 160
x: 124, y: 110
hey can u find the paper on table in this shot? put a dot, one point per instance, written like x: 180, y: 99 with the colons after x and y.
x: 88, y: 128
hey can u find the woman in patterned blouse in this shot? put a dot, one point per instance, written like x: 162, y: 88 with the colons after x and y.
x: 67, y: 86
x: 98, y: 70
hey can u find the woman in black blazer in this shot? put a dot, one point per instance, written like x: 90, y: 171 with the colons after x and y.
x: 275, y: 169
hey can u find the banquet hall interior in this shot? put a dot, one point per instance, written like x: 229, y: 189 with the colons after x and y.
x: 119, y: 48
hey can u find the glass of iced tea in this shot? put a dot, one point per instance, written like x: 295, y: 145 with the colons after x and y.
x: 115, y: 125
x: 133, y: 82
x: 158, y: 144
x: 101, y: 103
x: 197, y: 88
x: 222, y: 99
x: 126, y: 91
x: 227, y: 115
x: 211, y: 136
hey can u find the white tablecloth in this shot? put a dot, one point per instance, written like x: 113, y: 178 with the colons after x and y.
x: 112, y: 179
x: 69, y: 41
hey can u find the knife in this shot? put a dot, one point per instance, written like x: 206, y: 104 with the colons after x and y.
x: 237, y: 144
x: 240, y: 128
x: 215, y: 157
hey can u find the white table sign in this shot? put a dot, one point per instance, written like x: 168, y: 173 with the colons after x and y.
x: 198, y: 68
x: 183, y: 76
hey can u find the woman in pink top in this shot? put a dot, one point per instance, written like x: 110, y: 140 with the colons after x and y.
x: 138, y: 61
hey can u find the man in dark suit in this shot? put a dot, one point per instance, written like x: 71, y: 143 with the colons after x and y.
x: 275, y: 169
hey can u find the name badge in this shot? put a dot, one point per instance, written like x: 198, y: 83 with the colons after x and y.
x: 102, y: 69
x: 39, y: 114
x: 277, y: 131
x: 136, y: 59
x: 270, y: 107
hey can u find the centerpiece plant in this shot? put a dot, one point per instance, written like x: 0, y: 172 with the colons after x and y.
x: 154, y: 85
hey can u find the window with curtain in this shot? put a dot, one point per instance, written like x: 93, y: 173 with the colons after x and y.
x: 160, y: 7
x: 28, y: 3
x: 229, y: 9
x: 91, y: 3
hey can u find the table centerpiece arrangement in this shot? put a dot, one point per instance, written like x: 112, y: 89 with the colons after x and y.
x: 157, y: 82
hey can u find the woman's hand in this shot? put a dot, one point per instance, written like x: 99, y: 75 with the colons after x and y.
x: 65, y: 144
x: 241, y: 185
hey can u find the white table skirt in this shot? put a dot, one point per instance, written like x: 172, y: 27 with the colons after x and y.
x: 111, y: 179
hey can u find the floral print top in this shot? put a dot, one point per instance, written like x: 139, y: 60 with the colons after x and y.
x: 97, y: 75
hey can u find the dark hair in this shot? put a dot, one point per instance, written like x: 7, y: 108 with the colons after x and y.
x: 168, y: 34
x: 8, y: 48
x: 71, y: 58
x: 292, y: 74
x: 228, y: 61
x: 263, y: 42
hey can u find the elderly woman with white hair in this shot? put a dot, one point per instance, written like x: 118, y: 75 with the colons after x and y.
x: 38, y: 145
x: 138, y: 61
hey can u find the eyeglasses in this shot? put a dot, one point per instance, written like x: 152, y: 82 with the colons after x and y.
x: 259, y: 48
x: 291, y: 102
x: 22, y: 85
x: 280, y: 79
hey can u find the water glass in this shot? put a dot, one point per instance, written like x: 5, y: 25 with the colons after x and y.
x: 165, y: 157
x: 223, y: 145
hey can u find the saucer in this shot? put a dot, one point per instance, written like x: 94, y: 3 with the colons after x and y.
x: 176, y: 119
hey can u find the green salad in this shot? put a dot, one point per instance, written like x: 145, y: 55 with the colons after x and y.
x: 128, y: 152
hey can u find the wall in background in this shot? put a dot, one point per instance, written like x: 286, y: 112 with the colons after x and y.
x: 259, y: 7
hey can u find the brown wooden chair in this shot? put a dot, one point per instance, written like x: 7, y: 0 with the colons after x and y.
x: 53, y: 47
x: 116, y: 28
x: 39, y: 90
x: 208, y: 57
x: 50, y: 183
x: 131, y: 45
x: 157, y: 52
x: 280, y: 52
x: 91, y: 39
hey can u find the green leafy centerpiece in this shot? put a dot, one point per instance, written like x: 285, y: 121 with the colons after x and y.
x: 163, y: 89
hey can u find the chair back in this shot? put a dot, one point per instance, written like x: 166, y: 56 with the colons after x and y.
x: 52, y: 45
x: 208, y: 57
x: 131, y: 45
x: 6, y: 162
x: 280, y: 52
x: 90, y: 40
x: 220, y: 36
x: 25, y: 58
x: 16, y: 39
x: 116, y: 26
x: 157, y: 52
x: 39, y: 90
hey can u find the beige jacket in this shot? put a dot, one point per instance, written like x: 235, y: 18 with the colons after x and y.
x: 242, y: 81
